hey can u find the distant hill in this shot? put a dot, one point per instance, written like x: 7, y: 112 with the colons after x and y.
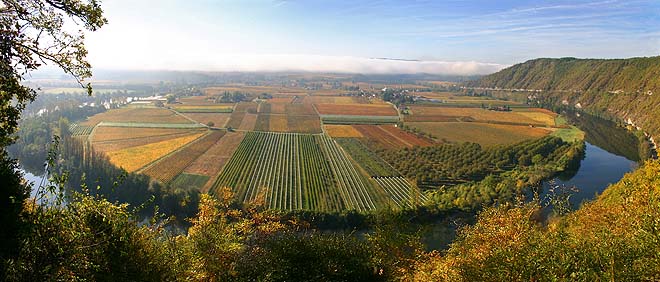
x: 624, y: 88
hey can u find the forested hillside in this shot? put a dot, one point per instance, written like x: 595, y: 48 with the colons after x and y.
x: 623, y: 88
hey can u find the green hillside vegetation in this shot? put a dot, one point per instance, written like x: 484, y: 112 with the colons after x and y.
x: 622, y: 88
x: 614, y: 238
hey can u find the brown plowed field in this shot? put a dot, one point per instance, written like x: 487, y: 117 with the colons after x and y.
x: 300, y: 109
x: 278, y: 108
x: 406, y: 137
x: 211, y: 162
x: 235, y: 119
x: 248, y: 122
x: 356, y: 109
x: 247, y: 107
x: 303, y: 124
x: 166, y: 169
x: 382, y: 138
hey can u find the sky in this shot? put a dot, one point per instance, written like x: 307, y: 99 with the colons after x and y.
x: 438, y: 37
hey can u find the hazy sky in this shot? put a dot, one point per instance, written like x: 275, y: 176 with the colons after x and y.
x: 449, y: 36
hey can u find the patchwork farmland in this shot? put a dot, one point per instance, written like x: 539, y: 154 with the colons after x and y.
x: 298, y: 149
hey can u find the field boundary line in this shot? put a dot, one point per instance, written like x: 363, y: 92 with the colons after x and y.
x: 184, y: 116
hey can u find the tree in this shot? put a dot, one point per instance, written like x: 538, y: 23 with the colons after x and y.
x: 170, y: 98
x: 32, y: 34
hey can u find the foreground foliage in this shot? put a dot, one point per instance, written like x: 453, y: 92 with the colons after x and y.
x: 614, y: 238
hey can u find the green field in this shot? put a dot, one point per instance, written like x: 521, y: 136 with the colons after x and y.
x: 400, y: 190
x: 368, y: 160
x: 187, y: 180
x: 79, y: 130
x: 569, y: 134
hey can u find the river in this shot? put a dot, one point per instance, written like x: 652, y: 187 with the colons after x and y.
x: 598, y: 169
x: 611, y: 151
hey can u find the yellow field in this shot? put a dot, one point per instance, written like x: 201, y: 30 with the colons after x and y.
x: 278, y: 123
x: 539, y: 117
x: 479, y: 114
x: 486, y: 134
x: 342, y: 131
x: 134, y: 158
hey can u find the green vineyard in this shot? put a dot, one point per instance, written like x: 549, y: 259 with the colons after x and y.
x: 304, y: 171
x: 401, y: 192
x: 79, y: 130
x: 372, y: 163
x: 287, y: 169
x: 310, y: 172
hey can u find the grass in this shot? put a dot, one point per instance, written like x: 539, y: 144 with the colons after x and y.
x: 190, y: 181
x: 134, y: 158
x: 483, y: 133
x: 569, y: 134
x: 368, y: 160
x: 560, y: 120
